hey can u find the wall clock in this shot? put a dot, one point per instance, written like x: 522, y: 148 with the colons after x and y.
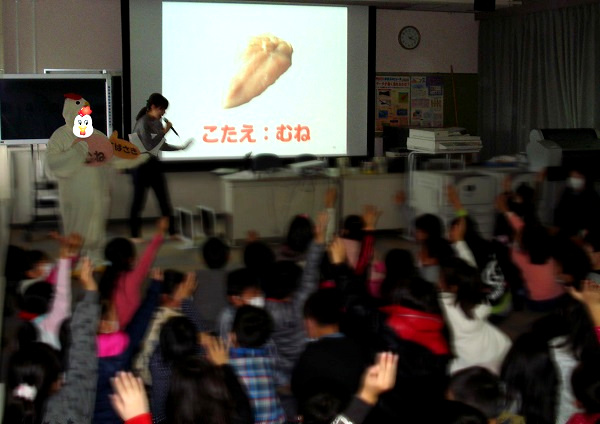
x: 409, y: 37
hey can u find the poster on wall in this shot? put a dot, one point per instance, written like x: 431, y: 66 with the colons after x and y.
x: 393, y: 101
x: 426, y: 101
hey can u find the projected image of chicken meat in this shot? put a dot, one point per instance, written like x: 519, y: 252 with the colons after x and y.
x: 265, y: 59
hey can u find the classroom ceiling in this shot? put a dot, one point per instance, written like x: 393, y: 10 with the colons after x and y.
x: 460, y: 6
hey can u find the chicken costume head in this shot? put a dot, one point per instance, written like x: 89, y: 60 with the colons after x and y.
x: 73, y: 104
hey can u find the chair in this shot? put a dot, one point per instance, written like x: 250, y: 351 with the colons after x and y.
x: 266, y: 162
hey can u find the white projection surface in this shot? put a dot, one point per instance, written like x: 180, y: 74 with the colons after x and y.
x: 304, y: 111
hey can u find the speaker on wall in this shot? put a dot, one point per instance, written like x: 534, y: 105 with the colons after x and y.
x: 484, y: 5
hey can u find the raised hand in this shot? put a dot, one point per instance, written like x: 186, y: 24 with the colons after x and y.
x: 453, y: 197
x: 321, y: 227
x: 507, y: 184
x: 502, y: 203
x: 162, y: 225
x: 157, y: 274
x: 379, y: 378
x: 216, y: 351
x: 589, y: 296
x: 187, y: 288
x: 129, y: 399
x: 458, y: 230
x: 330, y: 197
x: 86, y: 275
x: 400, y: 198
x: 370, y: 216
x: 69, y: 245
x: 337, y: 251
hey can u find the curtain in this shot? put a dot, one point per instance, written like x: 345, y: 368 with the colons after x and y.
x: 540, y: 70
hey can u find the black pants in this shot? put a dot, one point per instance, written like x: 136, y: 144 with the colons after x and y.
x: 149, y: 175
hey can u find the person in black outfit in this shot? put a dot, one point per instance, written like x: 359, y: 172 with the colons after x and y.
x: 151, y: 133
x: 578, y: 209
x: 331, y: 364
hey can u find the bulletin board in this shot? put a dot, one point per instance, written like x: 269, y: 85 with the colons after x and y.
x: 426, y: 100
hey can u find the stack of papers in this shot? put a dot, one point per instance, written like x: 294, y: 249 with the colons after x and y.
x: 442, y: 140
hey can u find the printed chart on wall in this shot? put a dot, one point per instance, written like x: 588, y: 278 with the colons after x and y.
x: 403, y: 101
x: 393, y: 101
x: 426, y: 101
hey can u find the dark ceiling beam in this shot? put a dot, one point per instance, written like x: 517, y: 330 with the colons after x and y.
x: 532, y: 6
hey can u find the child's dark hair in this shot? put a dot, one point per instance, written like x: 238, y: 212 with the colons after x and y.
x: 177, y: 339
x: 283, y: 280
x: 416, y: 293
x: 37, y: 298
x: 26, y: 334
x: 431, y: 225
x: 258, y: 257
x: 536, y: 242
x: 454, y: 412
x: 439, y: 248
x: 573, y: 260
x: 585, y: 381
x: 215, y: 253
x: 525, y: 208
x: 592, y: 238
x: 32, y: 372
x: 120, y: 254
x: 198, y: 394
x: 354, y: 227
x: 399, y: 269
x: 300, y: 234
x: 171, y: 280
x: 324, y: 306
x: 15, y: 265
x: 530, y: 377
x: 252, y: 326
x: 34, y: 257
x: 478, y: 387
x: 155, y: 99
x: 466, y: 283
x: 320, y: 408
x: 479, y: 246
x: 239, y: 280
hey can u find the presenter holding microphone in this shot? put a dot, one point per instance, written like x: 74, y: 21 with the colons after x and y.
x: 151, y: 134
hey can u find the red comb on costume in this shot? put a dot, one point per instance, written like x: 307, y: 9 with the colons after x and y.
x: 86, y: 110
x: 72, y: 96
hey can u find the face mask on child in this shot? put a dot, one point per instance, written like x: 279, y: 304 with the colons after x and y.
x: 46, y: 269
x: 576, y: 183
x: 431, y: 273
x: 258, y: 301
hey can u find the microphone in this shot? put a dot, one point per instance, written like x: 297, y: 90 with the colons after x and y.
x: 172, y: 129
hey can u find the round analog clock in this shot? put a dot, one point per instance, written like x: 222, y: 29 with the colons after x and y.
x: 409, y: 37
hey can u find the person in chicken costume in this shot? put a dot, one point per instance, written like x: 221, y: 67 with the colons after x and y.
x: 81, y: 159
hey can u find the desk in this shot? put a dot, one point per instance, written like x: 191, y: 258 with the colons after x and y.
x: 266, y: 203
x: 378, y: 190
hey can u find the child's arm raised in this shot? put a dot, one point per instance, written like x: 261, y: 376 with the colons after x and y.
x: 127, y: 297
x: 75, y: 400
x: 310, y: 274
x: 60, y: 309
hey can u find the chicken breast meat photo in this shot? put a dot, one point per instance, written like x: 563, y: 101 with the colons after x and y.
x: 265, y: 59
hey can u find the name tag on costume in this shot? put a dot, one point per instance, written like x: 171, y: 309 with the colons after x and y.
x: 122, y: 148
x: 100, y: 150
